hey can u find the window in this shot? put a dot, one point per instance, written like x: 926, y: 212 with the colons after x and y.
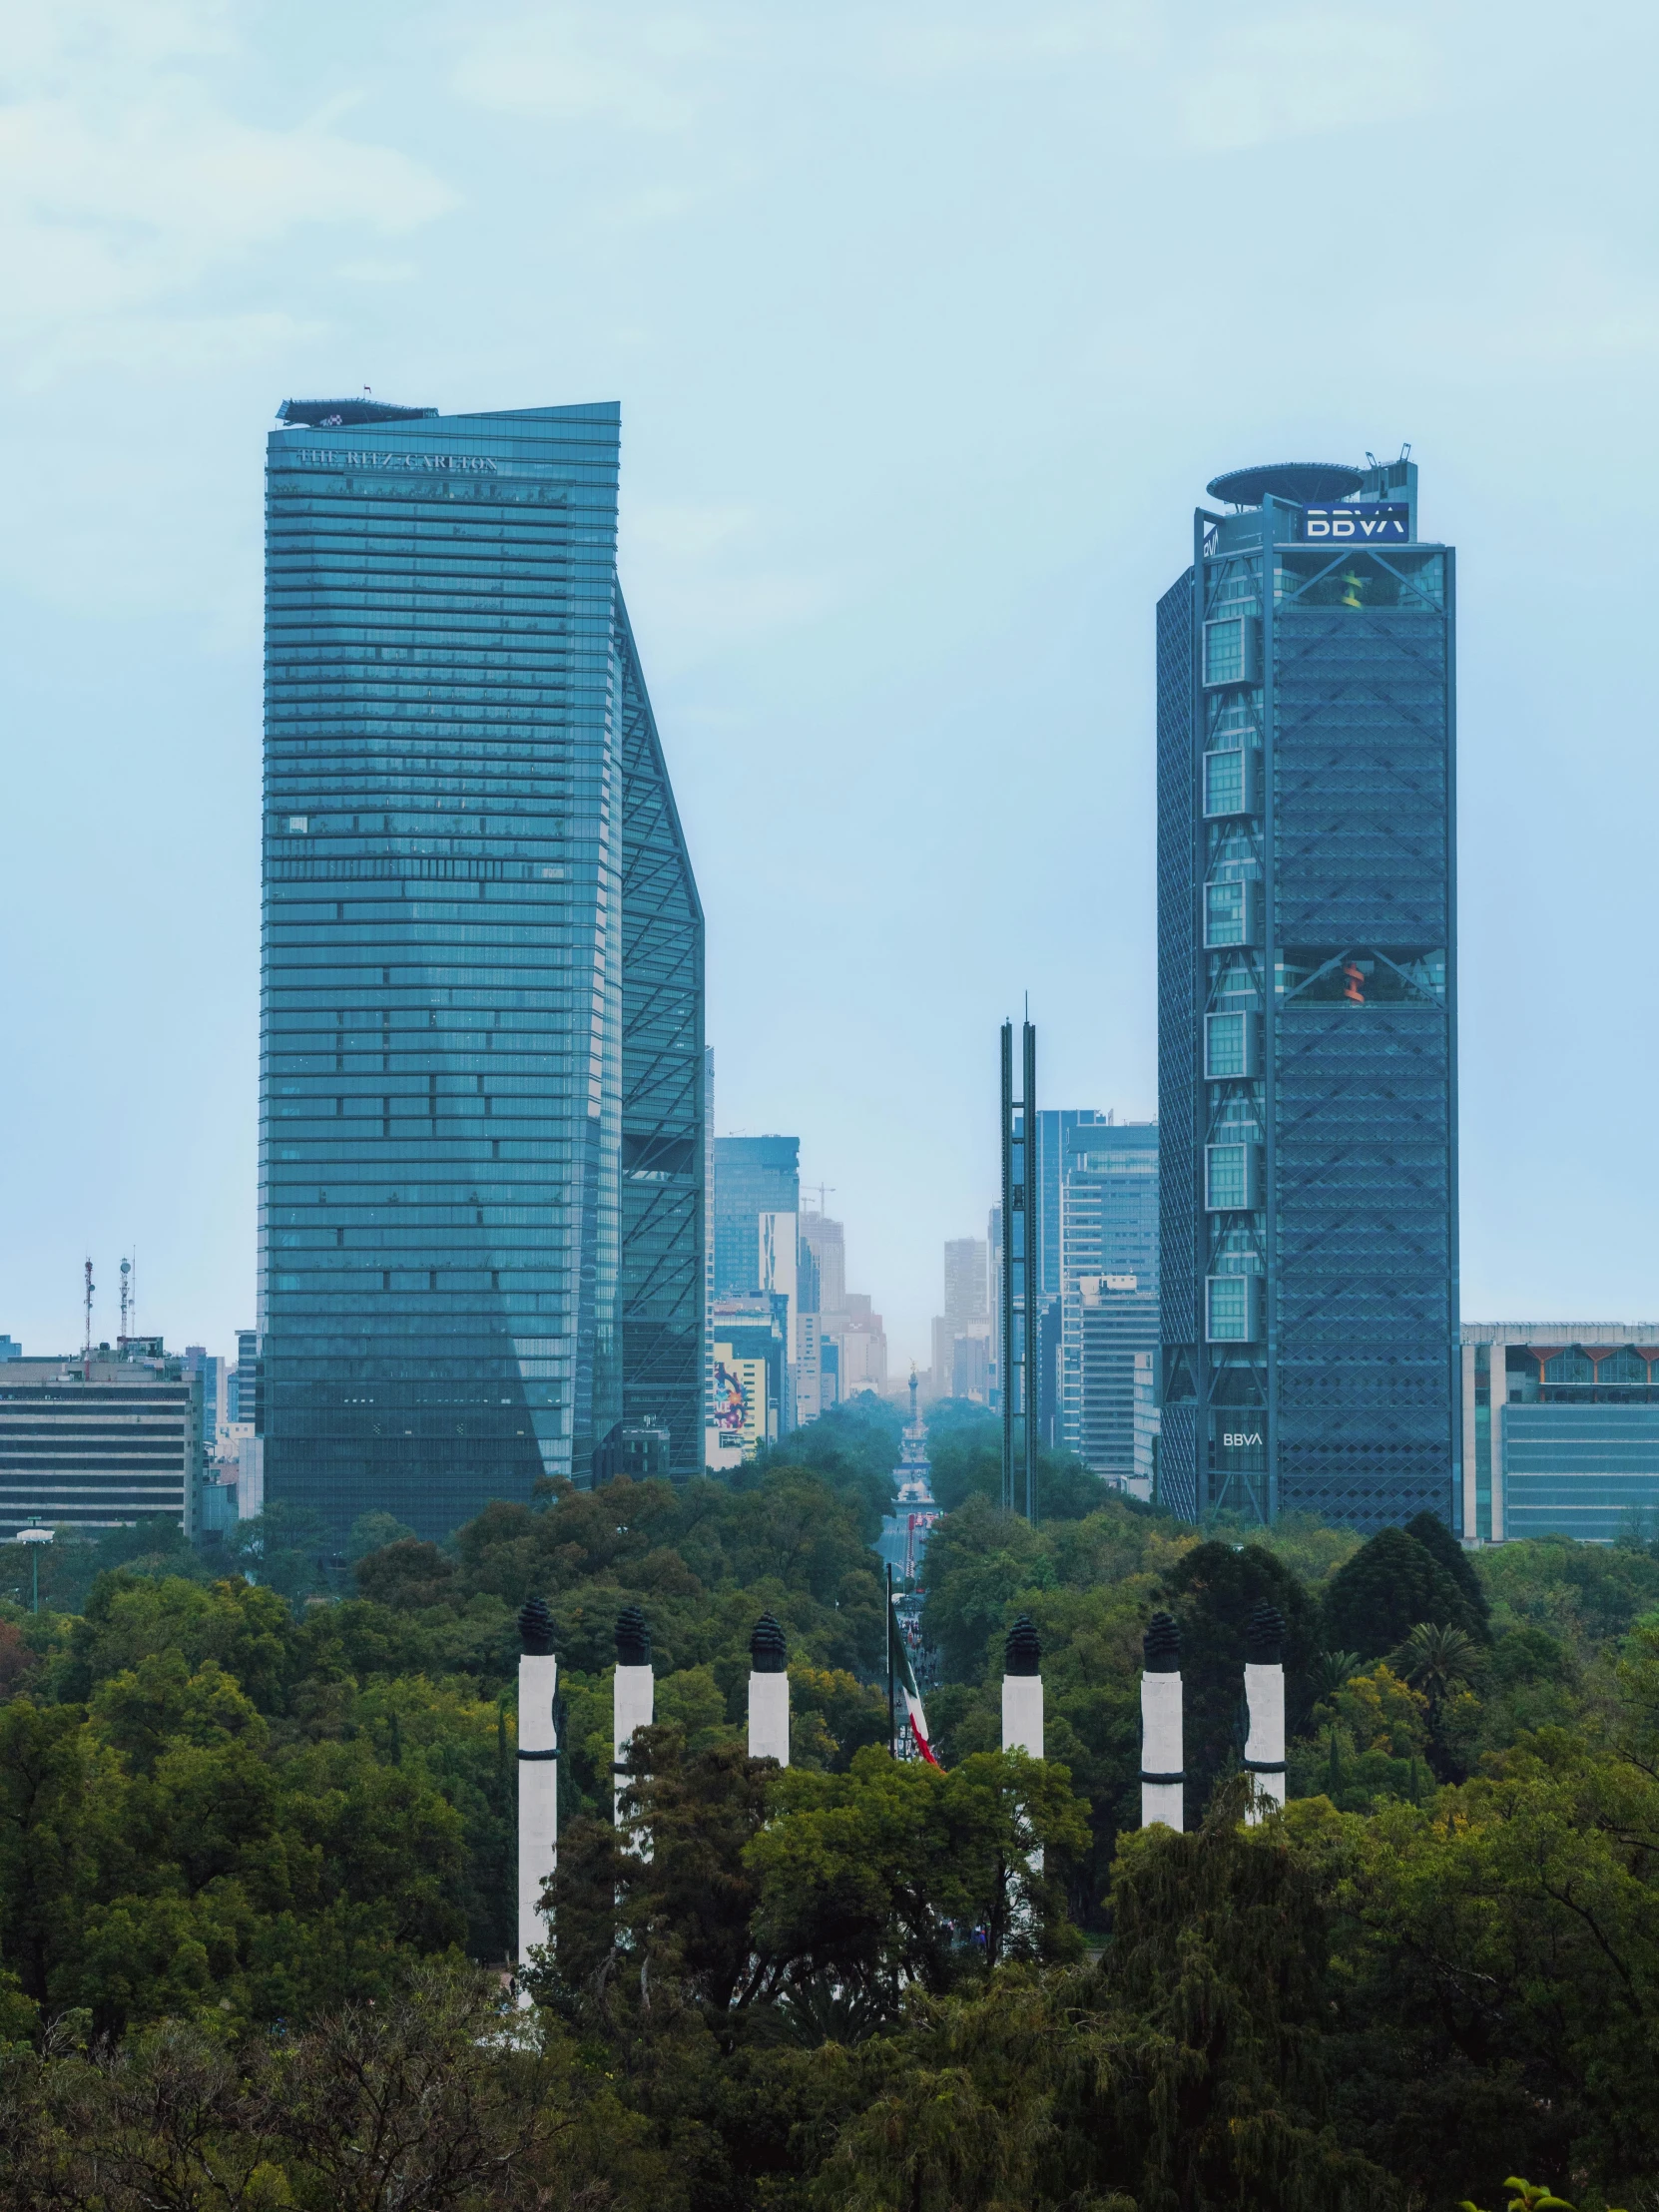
x: 1230, y: 651
x: 1569, y: 1367
x: 1232, y: 1178
x: 1232, y: 1047
x: 1231, y: 783
x: 299, y: 826
x: 1624, y: 1366
x: 1231, y: 913
x: 1232, y: 1308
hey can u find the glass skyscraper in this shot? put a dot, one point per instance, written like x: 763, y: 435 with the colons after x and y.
x: 482, y: 1205
x: 752, y: 1176
x: 1308, y: 1003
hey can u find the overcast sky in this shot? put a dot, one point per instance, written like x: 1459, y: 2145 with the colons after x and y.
x: 929, y: 323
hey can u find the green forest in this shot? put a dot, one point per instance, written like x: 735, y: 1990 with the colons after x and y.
x: 258, y: 1851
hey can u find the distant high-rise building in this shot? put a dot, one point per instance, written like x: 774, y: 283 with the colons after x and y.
x: 961, y: 1333
x: 862, y: 1349
x: 1308, y: 1003
x: 1108, y: 1304
x: 481, y: 1145
x: 93, y: 1444
x: 214, y: 1373
x: 752, y: 1176
x: 826, y: 1239
x: 750, y: 1335
x: 1109, y: 1322
x: 823, y: 1279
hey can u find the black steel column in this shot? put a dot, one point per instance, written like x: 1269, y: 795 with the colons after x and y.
x: 1022, y: 1384
x: 1007, y: 1264
x: 1031, y: 1374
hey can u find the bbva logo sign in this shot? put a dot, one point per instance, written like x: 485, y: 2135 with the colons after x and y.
x: 1382, y: 519
x: 1236, y: 1439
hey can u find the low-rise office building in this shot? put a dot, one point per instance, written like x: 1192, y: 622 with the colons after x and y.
x: 93, y: 1444
x: 1560, y: 1430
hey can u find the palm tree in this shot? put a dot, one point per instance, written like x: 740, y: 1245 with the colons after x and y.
x: 1435, y: 1659
x: 1333, y: 1668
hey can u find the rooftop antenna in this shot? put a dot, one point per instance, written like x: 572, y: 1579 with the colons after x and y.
x: 1405, y: 450
x: 126, y: 1296
x: 86, y: 1350
x: 1371, y: 457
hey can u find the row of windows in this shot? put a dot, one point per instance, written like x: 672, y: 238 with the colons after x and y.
x: 522, y: 1150
x: 406, y: 1292
x: 300, y: 986
x: 300, y: 938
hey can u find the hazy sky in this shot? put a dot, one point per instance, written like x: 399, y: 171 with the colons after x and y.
x: 928, y: 324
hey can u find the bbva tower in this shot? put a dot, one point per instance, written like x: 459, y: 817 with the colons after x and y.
x: 1307, y: 1008
x: 481, y: 1041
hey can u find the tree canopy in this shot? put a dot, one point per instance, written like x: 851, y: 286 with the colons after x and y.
x: 257, y: 1848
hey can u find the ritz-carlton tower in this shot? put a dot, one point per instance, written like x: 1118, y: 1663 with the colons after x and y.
x: 1308, y: 1009
x: 481, y: 1050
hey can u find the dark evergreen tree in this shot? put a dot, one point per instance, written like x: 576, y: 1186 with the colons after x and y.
x: 1373, y: 1603
x: 1437, y: 1538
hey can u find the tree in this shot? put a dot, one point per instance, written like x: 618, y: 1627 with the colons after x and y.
x: 404, y: 1574
x: 883, y: 1875
x: 1374, y: 1601
x: 373, y: 1532
x: 1438, y: 1542
x: 1439, y: 1661
x: 284, y: 1547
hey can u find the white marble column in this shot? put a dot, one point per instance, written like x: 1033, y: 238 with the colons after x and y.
x: 1265, y: 1697
x: 633, y: 1702
x: 769, y: 1692
x: 1022, y: 1690
x: 1163, y: 1775
x: 538, y: 1774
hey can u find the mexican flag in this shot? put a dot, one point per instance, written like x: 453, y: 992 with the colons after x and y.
x: 905, y: 1675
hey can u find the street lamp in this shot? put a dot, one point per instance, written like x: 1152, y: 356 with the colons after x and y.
x: 34, y: 1536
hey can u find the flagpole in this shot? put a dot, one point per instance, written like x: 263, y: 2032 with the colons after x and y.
x: 891, y: 1750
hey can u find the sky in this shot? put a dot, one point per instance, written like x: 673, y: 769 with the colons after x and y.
x: 930, y: 322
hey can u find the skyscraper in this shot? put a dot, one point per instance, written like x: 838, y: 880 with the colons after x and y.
x: 1108, y: 1266
x: 752, y: 1176
x: 481, y: 1089
x: 1308, y: 1002
x: 962, y: 1333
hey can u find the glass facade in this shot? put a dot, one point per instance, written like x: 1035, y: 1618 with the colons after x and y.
x: 1591, y: 1471
x: 752, y: 1176
x: 1108, y: 1255
x: 481, y: 1075
x: 1307, y: 1014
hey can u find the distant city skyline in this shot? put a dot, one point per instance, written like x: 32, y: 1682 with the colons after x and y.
x: 918, y: 380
